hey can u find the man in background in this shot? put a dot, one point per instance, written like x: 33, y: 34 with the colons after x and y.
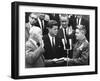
x: 65, y: 33
x: 32, y: 21
x: 42, y: 23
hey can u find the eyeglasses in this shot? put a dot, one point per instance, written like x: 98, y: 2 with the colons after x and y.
x: 33, y: 18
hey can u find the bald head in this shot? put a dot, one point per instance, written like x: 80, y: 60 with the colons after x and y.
x: 41, y: 16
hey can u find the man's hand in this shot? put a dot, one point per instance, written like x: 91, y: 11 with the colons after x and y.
x: 41, y: 49
x: 66, y: 59
x: 55, y: 59
x: 58, y: 60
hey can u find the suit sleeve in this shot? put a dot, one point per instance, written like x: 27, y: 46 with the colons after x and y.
x: 32, y: 53
x: 83, y: 59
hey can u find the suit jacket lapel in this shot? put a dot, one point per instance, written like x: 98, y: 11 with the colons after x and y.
x: 48, y: 40
x: 61, y: 33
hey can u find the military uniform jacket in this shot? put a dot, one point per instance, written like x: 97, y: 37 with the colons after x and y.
x: 80, y: 53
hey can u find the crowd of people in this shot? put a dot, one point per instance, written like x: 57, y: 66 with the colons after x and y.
x: 56, y: 40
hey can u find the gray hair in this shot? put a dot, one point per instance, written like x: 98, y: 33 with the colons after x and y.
x: 34, y: 31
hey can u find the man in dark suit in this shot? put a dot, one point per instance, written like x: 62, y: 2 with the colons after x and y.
x: 53, y: 48
x: 42, y: 23
x: 80, y: 50
x: 66, y: 35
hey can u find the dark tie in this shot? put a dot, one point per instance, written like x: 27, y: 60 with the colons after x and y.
x: 67, y: 39
x: 65, y: 32
x: 42, y: 24
x: 53, y: 48
x: 78, y: 21
x: 53, y: 42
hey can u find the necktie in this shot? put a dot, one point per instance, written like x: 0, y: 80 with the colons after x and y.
x: 77, y: 21
x: 52, y: 41
x: 42, y: 23
x: 65, y: 32
x: 66, y: 40
x: 65, y: 35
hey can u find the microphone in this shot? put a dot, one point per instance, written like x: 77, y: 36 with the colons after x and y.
x: 63, y: 41
x: 70, y: 42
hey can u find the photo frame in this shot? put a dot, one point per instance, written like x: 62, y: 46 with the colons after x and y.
x: 20, y: 11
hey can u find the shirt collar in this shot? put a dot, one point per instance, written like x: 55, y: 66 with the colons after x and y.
x: 51, y: 38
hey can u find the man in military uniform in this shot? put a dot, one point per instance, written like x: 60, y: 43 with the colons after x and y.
x: 80, y: 49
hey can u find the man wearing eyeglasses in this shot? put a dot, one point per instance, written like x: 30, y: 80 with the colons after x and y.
x: 32, y: 20
x: 42, y: 23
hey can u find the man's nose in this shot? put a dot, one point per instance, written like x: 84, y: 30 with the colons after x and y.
x: 64, y: 23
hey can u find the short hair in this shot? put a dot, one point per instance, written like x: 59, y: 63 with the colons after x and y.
x: 52, y: 23
x: 63, y: 15
x: 41, y: 14
x: 81, y: 28
x: 34, y: 31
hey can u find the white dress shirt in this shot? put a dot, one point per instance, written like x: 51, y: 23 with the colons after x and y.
x: 79, y: 21
x: 40, y: 23
x: 50, y: 37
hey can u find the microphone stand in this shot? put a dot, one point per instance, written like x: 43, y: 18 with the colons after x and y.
x: 67, y: 50
x: 70, y: 43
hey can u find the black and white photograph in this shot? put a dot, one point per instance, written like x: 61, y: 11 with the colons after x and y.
x: 56, y: 40
x: 53, y: 40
